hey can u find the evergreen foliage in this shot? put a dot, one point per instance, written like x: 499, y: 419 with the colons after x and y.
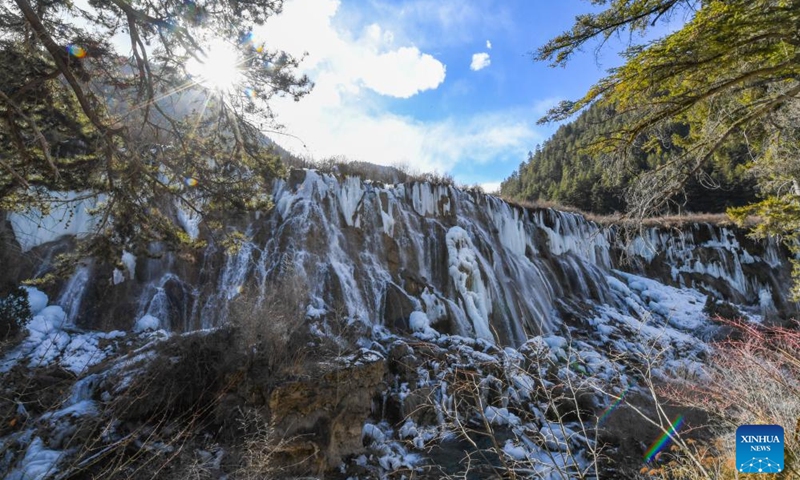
x: 15, y: 312
x: 730, y: 74
x: 127, y: 124
x: 567, y: 171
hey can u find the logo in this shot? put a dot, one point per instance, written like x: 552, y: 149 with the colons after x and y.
x: 759, y: 449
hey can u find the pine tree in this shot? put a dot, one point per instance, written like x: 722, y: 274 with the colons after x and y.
x: 730, y: 74
x: 726, y: 75
x: 97, y: 99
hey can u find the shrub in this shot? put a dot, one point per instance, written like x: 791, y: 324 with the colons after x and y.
x: 754, y: 379
x: 270, y: 329
x: 187, y: 376
x: 15, y: 313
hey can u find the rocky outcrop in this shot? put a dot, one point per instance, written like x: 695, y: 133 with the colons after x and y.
x: 320, y: 416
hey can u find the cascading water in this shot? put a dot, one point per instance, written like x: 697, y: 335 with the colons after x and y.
x: 470, y: 263
x: 73, y: 293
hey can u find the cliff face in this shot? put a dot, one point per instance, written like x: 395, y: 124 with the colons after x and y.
x: 466, y: 263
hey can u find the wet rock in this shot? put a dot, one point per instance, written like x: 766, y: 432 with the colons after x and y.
x: 397, y: 307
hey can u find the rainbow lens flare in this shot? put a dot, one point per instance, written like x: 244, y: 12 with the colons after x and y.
x: 76, y: 51
x: 190, y: 181
x: 613, y: 406
x: 663, y: 439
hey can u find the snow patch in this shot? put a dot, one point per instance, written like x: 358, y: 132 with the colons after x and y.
x: 38, y: 463
x: 37, y: 300
x: 147, y: 322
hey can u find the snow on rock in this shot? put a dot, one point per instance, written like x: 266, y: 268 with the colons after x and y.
x: 39, y: 462
x: 147, y: 322
x: 419, y: 322
x: 434, y: 306
x: 53, y: 340
x: 681, y: 307
x: 80, y: 409
x: 500, y: 416
x: 36, y: 299
x: 517, y: 452
x: 373, y: 433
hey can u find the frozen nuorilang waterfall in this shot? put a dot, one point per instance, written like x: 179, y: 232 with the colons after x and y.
x: 473, y: 264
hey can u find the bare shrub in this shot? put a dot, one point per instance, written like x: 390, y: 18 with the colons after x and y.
x: 511, y: 437
x: 270, y: 329
x: 261, y: 448
x: 159, y: 409
x: 753, y: 380
x: 186, y: 376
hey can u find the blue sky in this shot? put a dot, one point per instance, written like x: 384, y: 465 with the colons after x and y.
x: 445, y: 85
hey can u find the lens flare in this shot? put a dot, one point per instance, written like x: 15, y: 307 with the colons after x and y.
x: 76, y: 51
x: 613, y: 406
x: 190, y: 182
x: 663, y: 439
x: 218, y: 68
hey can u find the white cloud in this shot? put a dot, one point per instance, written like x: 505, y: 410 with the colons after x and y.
x: 480, y: 61
x: 357, y: 129
x: 355, y: 70
x: 488, y: 45
x: 370, y: 60
x: 491, y: 187
x: 444, y: 22
x: 402, y: 73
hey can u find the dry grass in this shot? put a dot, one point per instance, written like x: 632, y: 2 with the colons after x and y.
x: 754, y: 379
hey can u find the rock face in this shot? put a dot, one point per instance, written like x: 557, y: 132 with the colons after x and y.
x: 321, y: 417
x: 374, y: 254
x: 15, y: 263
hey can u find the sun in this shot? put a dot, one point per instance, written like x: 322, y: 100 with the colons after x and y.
x: 219, y: 69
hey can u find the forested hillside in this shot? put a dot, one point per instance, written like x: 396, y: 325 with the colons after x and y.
x: 562, y: 171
